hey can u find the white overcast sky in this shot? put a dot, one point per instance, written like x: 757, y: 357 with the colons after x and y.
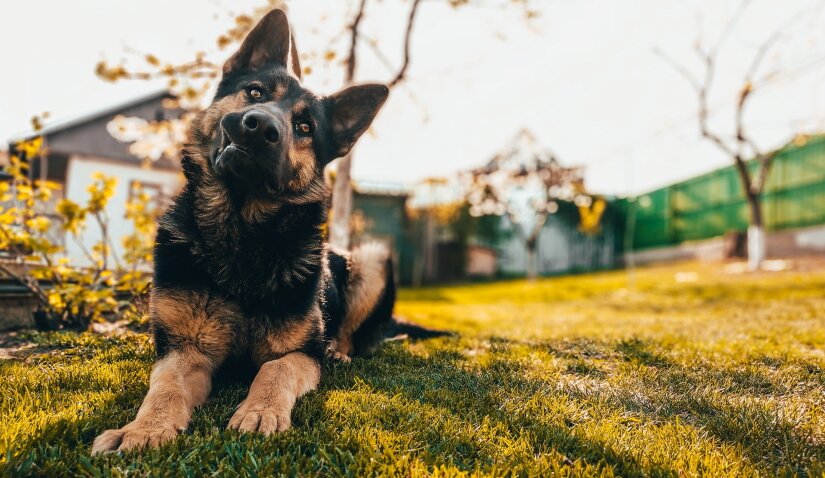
x: 582, y: 76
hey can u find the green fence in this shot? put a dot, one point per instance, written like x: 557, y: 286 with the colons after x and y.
x: 713, y: 204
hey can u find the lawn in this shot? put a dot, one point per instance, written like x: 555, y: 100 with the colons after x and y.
x: 690, y: 371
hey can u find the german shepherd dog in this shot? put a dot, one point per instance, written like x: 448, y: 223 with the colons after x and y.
x: 241, y: 270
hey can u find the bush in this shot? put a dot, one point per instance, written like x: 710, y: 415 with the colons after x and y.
x: 67, y: 295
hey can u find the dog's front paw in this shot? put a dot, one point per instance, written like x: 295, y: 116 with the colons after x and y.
x: 262, y: 420
x: 132, y: 437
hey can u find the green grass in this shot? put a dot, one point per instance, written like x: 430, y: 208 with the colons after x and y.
x: 721, y: 376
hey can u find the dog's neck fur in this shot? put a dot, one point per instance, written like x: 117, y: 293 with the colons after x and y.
x: 257, y: 247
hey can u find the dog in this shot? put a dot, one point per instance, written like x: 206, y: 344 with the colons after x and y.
x: 241, y: 270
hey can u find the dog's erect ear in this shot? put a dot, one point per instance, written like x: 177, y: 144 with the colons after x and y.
x: 269, y: 42
x: 351, y: 112
x: 294, y: 62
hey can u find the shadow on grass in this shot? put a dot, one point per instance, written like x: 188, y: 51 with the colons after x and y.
x: 61, y: 447
x: 722, y: 401
x: 454, y: 390
x: 707, y: 398
x: 441, y: 382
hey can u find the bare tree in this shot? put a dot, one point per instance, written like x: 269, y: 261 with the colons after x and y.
x: 741, y: 146
x: 342, y: 194
x: 191, y: 80
x: 524, y: 182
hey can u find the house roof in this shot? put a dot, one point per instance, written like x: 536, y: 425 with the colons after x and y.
x: 88, y: 134
x: 378, y: 188
x: 105, y: 113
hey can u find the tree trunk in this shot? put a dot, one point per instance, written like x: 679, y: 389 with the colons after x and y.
x: 339, y: 234
x: 342, y: 194
x: 532, y: 261
x: 757, y: 248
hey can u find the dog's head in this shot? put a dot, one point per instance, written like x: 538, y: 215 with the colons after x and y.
x: 264, y: 136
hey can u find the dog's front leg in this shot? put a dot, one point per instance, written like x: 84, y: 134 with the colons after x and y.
x: 273, y: 393
x: 179, y: 382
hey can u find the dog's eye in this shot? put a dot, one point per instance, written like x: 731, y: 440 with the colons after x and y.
x: 303, y: 127
x: 255, y: 93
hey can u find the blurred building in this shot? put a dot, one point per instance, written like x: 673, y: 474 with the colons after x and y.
x: 432, y: 238
x: 379, y: 214
x: 452, y: 245
x: 564, y: 248
x: 77, y: 148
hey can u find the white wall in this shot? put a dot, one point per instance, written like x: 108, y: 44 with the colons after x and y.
x: 78, y: 179
x: 561, y: 248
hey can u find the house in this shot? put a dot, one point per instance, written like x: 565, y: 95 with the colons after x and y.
x: 379, y: 213
x: 452, y: 245
x: 77, y: 148
x: 563, y: 247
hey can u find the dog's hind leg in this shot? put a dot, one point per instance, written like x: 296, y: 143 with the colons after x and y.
x: 273, y: 393
x: 370, y: 290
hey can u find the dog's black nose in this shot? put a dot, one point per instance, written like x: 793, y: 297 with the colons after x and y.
x: 255, y: 130
x: 259, y: 124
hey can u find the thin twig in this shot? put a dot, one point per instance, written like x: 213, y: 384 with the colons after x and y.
x: 678, y: 68
x: 704, y: 114
x: 353, y: 46
x: 730, y: 26
x: 382, y: 57
x: 407, y: 36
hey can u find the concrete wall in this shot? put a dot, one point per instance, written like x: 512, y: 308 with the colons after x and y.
x: 16, y: 312
x: 796, y: 242
x: 788, y: 243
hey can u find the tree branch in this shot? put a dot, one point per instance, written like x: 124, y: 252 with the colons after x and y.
x: 746, y: 93
x: 353, y: 46
x: 704, y: 111
x: 407, y: 36
x: 742, y: 137
x: 702, y: 89
x: 678, y: 68
x: 729, y: 27
x: 765, y: 164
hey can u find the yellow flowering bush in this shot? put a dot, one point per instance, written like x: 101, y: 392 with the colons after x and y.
x: 67, y: 295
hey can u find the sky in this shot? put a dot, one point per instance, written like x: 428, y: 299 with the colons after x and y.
x: 583, y: 75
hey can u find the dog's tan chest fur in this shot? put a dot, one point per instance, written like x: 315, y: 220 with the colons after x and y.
x: 198, y: 320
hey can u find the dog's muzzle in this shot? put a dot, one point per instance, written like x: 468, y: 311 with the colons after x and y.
x: 247, y: 137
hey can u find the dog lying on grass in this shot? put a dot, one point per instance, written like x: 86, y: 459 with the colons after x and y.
x: 241, y: 271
